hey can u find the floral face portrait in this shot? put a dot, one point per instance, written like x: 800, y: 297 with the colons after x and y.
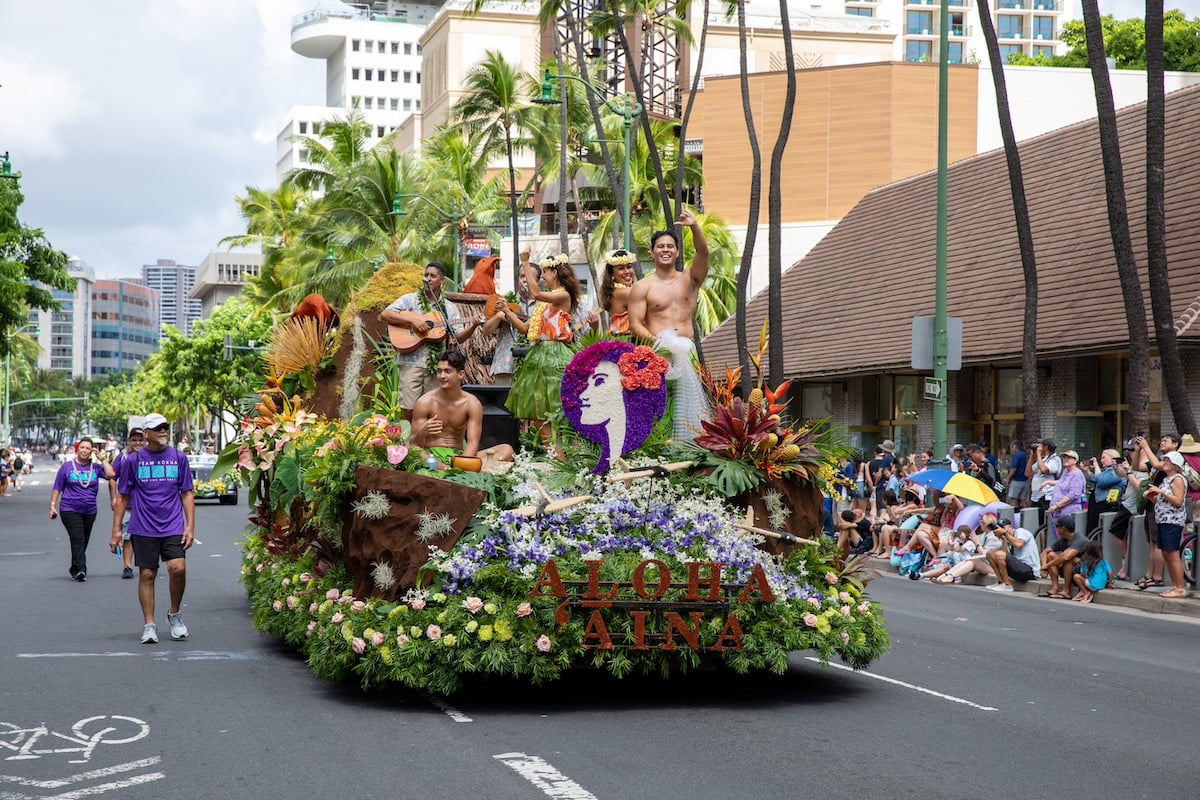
x: 612, y: 393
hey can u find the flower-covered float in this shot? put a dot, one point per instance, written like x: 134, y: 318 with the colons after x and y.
x: 622, y: 551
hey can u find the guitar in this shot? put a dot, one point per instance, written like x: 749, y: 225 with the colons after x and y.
x: 406, y: 340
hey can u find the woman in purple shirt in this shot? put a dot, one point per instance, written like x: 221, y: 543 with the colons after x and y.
x: 77, y: 484
x: 1069, y: 489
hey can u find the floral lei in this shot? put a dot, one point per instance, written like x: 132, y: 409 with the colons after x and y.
x: 434, y: 349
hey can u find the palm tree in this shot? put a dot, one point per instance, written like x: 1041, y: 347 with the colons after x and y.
x: 1118, y: 224
x: 494, y: 106
x: 744, y: 269
x: 775, y: 210
x: 1016, y: 186
x: 341, y: 146
x: 1174, y: 378
x: 275, y: 223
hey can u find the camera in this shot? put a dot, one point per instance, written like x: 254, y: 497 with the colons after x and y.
x: 992, y: 526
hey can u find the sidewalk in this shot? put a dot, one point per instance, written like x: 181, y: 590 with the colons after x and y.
x: 1121, y: 593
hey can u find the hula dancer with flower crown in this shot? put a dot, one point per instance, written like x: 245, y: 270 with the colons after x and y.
x: 614, y: 290
x: 538, y: 377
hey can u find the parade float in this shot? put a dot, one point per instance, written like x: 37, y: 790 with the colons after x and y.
x: 619, y: 550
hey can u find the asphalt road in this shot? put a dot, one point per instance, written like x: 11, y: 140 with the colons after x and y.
x: 982, y: 696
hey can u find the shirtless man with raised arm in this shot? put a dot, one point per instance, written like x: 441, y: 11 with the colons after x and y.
x: 448, y: 421
x: 661, y: 308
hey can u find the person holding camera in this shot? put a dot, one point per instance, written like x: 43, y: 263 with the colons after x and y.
x: 1131, y: 468
x: 1107, y: 486
x: 1017, y: 560
x: 1045, y: 467
x: 985, y: 542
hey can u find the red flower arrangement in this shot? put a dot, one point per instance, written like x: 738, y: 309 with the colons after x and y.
x: 642, y: 368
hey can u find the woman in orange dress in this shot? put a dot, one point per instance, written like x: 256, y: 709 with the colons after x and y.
x: 537, y: 380
x: 614, y: 290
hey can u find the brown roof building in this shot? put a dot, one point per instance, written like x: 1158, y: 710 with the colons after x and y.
x: 849, y: 304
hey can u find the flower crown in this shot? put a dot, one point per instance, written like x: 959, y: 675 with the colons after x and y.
x: 559, y: 260
x: 620, y: 258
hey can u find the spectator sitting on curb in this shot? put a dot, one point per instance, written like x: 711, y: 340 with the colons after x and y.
x: 985, y: 542
x: 1058, y: 560
x: 1094, y: 573
x: 1017, y: 562
x: 963, y: 546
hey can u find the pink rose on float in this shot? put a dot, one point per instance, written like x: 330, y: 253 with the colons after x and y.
x: 473, y: 605
x: 417, y: 603
x: 305, y: 577
x: 377, y: 639
x: 260, y: 567
x: 814, y: 602
x: 830, y: 577
x: 337, y: 618
x: 277, y: 605
x: 811, y: 620
x: 864, y: 607
x: 401, y: 640
x: 524, y: 610
x: 358, y: 605
x: 291, y: 601
x: 287, y: 582
x: 433, y: 632
x: 359, y: 645
x: 312, y: 607
x: 396, y: 453
x: 543, y: 643
x: 844, y: 597
x: 845, y: 638
x: 845, y: 611
x: 312, y: 626
x: 332, y: 594
x: 346, y: 598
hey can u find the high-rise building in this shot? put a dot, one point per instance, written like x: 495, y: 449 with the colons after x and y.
x: 372, y: 63
x: 64, y: 336
x: 125, y: 325
x: 221, y: 276
x: 174, y: 284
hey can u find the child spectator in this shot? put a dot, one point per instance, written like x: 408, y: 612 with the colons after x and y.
x: 1093, y: 574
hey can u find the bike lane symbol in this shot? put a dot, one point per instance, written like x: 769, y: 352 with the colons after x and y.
x: 27, y: 743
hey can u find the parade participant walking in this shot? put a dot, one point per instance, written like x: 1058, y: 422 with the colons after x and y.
x: 662, y: 307
x: 413, y: 311
x: 136, y: 441
x: 73, y: 498
x: 618, y: 280
x: 155, y: 483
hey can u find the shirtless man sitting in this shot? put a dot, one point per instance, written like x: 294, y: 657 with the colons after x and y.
x: 661, y: 308
x: 448, y: 421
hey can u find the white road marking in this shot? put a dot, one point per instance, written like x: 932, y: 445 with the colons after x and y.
x: 544, y: 776
x: 905, y: 684
x: 447, y: 709
x: 101, y: 788
x: 160, y: 655
x: 103, y: 772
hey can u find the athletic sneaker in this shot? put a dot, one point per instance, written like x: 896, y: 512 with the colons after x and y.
x: 81, y: 576
x: 150, y: 633
x: 178, y: 629
x: 1000, y: 587
x: 127, y: 572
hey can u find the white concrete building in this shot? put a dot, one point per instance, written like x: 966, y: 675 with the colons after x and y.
x: 372, y: 63
x: 221, y: 276
x: 174, y: 284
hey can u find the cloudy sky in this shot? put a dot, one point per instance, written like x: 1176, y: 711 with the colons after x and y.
x: 136, y: 122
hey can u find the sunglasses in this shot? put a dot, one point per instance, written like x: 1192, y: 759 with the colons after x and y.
x: 161, y: 428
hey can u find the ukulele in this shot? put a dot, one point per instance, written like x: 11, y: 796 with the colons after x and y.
x: 406, y: 340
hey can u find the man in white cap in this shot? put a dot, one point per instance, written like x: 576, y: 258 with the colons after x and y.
x: 155, y: 483
x: 955, y: 457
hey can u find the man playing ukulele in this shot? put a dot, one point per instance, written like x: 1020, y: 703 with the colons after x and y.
x: 448, y: 421
x: 414, y: 311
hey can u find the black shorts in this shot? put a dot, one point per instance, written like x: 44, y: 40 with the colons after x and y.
x: 1018, y: 570
x: 149, y: 550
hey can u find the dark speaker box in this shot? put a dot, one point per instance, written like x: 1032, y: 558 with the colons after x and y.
x: 499, y: 426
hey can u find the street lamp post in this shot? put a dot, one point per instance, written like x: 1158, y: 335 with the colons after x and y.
x: 457, y: 216
x: 940, y: 339
x: 628, y: 113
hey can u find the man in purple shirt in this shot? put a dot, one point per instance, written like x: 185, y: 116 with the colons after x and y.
x: 155, y: 483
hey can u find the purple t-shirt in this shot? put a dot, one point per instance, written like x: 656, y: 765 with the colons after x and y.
x: 78, y: 484
x: 154, y: 481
